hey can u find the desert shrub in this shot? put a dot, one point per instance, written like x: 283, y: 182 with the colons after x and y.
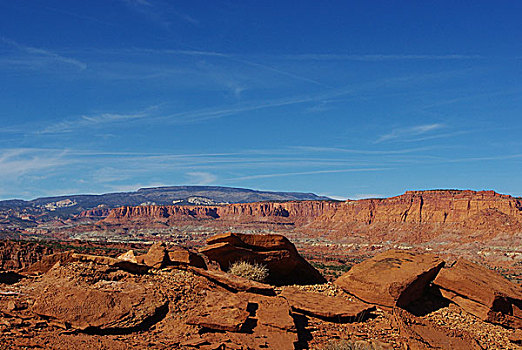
x: 355, y: 345
x: 252, y: 271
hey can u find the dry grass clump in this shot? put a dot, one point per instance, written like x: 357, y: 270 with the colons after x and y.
x: 252, y: 271
x: 355, y: 345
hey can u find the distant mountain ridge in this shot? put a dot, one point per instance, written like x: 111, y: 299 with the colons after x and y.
x: 178, y: 195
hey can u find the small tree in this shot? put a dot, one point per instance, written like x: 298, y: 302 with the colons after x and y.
x: 252, y: 271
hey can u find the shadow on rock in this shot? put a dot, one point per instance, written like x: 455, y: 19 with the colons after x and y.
x: 303, y: 334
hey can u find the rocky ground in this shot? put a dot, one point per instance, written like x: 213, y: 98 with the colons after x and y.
x: 160, y: 300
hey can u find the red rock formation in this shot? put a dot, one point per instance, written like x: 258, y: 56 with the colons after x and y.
x: 276, y: 252
x: 180, y: 256
x: 392, y: 278
x: 156, y: 257
x: 16, y: 255
x: 482, y: 292
x: 94, y: 213
x: 326, y: 307
x: 415, y: 216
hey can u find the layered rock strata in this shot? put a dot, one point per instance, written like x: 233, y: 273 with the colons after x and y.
x: 415, y: 216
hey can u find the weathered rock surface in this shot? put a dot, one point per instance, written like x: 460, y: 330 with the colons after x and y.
x: 392, y: 278
x: 332, y: 308
x: 280, y: 256
x: 272, y: 312
x: 110, y: 306
x: 180, y: 256
x: 422, y: 334
x: 482, y: 292
x: 235, y: 283
x: 157, y: 256
x: 16, y: 255
x: 516, y: 337
x: 49, y: 261
x: 128, y: 256
x: 222, y: 311
x: 107, y: 307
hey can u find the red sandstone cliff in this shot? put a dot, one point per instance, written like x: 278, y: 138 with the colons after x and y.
x: 94, y: 213
x: 426, y: 213
x: 16, y: 255
x: 263, y: 212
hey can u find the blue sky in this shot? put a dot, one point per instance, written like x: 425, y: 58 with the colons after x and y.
x: 342, y: 98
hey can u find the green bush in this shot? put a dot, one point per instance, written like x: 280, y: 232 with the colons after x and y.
x: 252, y: 271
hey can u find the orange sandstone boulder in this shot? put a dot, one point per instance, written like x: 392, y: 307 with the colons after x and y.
x: 392, y: 278
x: 180, y: 256
x: 128, y: 256
x: 482, y: 292
x: 319, y: 305
x: 157, y: 256
x: 280, y: 256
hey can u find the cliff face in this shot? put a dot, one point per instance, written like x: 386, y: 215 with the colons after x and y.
x: 94, y: 213
x: 263, y: 212
x: 432, y: 207
x: 16, y: 255
x: 430, y: 211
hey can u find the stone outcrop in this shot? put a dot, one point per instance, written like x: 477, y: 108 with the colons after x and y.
x: 482, y: 292
x: 92, y: 302
x: 180, y: 256
x: 261, y: 212
x: 276, y: 252
x: 392, y: 278
x: 110, y: 307
x: 16, y: 255
x: 424, y: 335
x: 416, y: 216
x: 234, y: 283
x: 49, y: 261
x: 128, y: 256
x: 95, y: 213
x: 156, y: 257
x: 331, y: 308
x: 222, y: 312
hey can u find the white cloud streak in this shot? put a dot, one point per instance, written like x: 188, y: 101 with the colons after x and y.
x: 331, y: 171
x: 379, y: 57
x: 201, y: 178
x: 403, y: 133
x: 20, y: 161
x: 38, y: 56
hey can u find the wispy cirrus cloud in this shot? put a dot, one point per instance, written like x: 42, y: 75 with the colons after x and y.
x: 96, y: 120
x: 361, y: 151
x: 159, y: 12
x: 16, y: 162
x: 201, y: 178
x: 35, y: 57
x: 315, y: 172
x: 380, y: 57
x: 406, y: 132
